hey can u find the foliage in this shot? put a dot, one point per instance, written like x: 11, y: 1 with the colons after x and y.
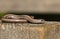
x: 2, y: 14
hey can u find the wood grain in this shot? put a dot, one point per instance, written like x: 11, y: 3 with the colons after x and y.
x: 49, y: 30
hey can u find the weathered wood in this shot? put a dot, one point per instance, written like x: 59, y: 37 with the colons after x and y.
x: 49, y: 30
x: 30, y: 5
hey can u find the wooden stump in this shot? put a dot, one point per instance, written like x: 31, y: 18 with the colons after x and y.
x: 30, y: 31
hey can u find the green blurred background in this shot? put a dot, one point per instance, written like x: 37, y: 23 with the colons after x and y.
x: 2, y: 14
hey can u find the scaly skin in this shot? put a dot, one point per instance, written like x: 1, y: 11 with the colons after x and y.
x: 21, y: 18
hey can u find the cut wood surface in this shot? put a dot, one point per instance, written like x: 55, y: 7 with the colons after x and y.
x: 49, y: 30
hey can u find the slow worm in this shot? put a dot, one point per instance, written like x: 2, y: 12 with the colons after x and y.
x: 21, y: 18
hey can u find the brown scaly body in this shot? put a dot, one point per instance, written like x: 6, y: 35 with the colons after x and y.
x: 21, y: 18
